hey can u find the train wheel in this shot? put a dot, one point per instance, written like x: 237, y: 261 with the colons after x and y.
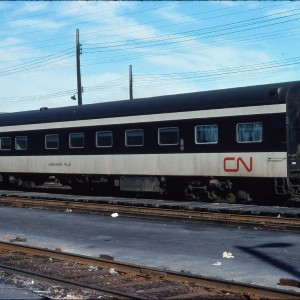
x: 29, y: 184
x: 244, y: 197
x: 231, y: 198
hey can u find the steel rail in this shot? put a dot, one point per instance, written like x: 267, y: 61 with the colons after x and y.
x: 57, y: 280
x: 191, y: 216
x: 225, y: 285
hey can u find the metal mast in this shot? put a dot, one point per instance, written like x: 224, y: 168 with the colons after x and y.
x: 78, y: 52
x: 130, y: 83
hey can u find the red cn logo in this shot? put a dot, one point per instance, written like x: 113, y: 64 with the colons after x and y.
x: 232, y: 164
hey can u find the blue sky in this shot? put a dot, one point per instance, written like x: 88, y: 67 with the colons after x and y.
x: 173, y: 46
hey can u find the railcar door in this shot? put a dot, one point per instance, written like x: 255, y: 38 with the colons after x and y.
x: 293, y: 138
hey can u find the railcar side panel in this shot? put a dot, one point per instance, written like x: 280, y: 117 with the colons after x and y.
x: 262, y: 164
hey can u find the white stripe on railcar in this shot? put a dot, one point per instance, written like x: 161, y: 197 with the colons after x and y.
x: 265, y: 164
x: 200, y: 114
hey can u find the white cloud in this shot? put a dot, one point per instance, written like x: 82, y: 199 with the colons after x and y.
x: 12, y: 53
x: 35, y: 24
x: 34, y: 6
x: 171, y: 13
x: 28, y: 7
x: 10, y: 41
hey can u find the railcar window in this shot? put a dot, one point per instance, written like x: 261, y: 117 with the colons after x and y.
x: 104, y: 139
x: 76, y: 140
x: 52, y: 141
x: 249, y: 132
x: 21, y: 143
x: 168, y: 136
x: 206, y: 134
x: 134, y: 137
x: 5, y: 143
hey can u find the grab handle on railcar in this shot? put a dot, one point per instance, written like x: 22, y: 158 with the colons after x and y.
x: 275, y: 159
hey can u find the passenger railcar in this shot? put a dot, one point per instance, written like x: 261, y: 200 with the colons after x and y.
x: 232, y: 145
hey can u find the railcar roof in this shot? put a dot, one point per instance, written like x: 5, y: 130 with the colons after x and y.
x: 223, y: 98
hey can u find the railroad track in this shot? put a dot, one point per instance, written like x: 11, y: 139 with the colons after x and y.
x: 190, y: 216
x: 122, y: 281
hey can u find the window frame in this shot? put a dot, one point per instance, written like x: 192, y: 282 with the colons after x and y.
x: 51, y: 134
x: 204, y: 143
x: 159, y: 134
x: 96, y: 137
x: 5, y: 137
x: 70, y: 137
x: 16, y: 143
x: 248, y: 142
x: 126, y: 137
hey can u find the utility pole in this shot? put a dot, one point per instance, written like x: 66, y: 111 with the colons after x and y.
x: 130, y: 83
x: 78, y: 52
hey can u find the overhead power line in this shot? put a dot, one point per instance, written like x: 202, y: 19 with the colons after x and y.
x: 145, y: 80
x: 203, y: 32
x: 92, y: 33
x: 105, y: 85
x: 38, y: 62
x: 77, y: 23
x: 161, y: 45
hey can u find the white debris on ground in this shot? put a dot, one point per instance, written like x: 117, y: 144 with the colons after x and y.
x: 114, y: 215
x: 113, y: 272
x: 93, y: 268
x: 227, y: 255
